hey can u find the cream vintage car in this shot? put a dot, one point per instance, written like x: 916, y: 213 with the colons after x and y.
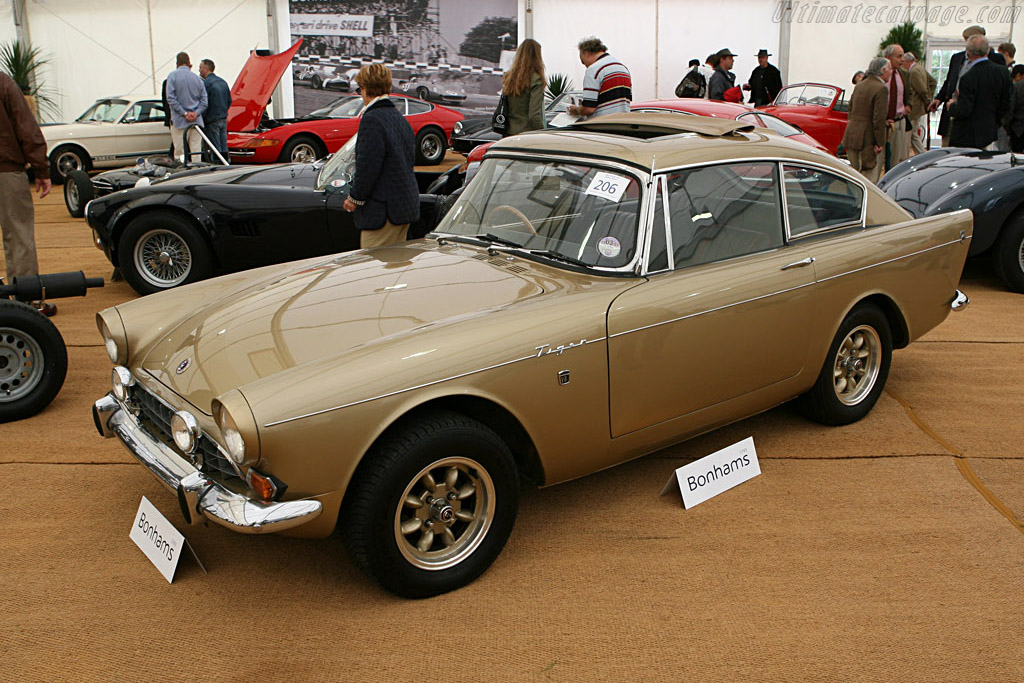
x: 595, y: 294
x: 112, y: 132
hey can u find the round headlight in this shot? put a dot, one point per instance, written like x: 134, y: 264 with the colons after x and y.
x: 458, y: 128
x: 185, y: 431
x: 232, y: 436
x: 121, y: 380
x: 114, y: 340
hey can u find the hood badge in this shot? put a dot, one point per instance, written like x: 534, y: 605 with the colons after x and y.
x: 183, y: 366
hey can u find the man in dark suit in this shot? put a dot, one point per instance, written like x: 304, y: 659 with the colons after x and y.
x: 866, y: 128
x: 384, y: 196
x: 981, y: 100
x: 956, y: 63
x: 765, y: 81
x: 1014, y: 121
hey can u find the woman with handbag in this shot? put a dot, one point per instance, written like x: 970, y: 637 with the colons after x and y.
x: 523, y: 86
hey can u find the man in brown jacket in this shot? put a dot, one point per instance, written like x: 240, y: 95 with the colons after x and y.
x: 21, y: 144
x: 866, y: 130
x: 922, y: 90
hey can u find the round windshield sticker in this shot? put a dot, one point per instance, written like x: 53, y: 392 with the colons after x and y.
x: 337, y: 182
x: 609, y: 246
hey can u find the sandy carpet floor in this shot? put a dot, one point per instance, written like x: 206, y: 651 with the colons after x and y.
x: 892, y: 549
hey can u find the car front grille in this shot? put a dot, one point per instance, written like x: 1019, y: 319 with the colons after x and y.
x: 155, y: 416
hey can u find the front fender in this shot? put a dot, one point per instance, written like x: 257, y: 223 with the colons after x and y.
x: 992, y: 198
x: 186, y: 204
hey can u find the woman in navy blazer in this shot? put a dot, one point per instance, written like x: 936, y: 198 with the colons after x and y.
x: 384, y: 194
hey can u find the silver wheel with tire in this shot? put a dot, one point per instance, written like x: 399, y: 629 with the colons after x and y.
x: 21, y: 364
x: 302, y: 150
x: 162, y: 258
x: 430, y: 146
x: 65, y: 160
x: 857, y: 365
x: 33, y: 361
x: 78, y: 191
x: 444, y: 513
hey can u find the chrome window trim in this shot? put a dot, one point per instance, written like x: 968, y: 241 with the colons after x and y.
x: 839, y: 226
x: 638, y: 262
x: 783, y: 291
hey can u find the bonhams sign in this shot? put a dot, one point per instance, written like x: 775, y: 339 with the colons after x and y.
x: 351, y: 25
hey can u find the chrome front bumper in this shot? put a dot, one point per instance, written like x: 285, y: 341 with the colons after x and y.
x: 198, y: 496
x: 960, y: 301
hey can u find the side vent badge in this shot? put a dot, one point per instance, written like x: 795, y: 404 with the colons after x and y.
x: 563, y: 377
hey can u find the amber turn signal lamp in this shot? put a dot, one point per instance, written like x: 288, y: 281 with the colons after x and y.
x: 264, y: 486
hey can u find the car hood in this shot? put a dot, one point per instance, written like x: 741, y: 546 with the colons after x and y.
x: 254, y: 85
x: 278, y: 175
x: 62, y: 132
x: 925, y: 185
x: 327, y: 309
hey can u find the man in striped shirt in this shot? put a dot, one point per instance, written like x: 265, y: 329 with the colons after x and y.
x: 607, y: 87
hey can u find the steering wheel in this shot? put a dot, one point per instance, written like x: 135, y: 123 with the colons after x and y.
x: 514, y: 211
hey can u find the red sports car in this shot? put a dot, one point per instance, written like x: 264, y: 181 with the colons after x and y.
x: 325, y: 130
x: 730, y: 110
x: 819, y: 109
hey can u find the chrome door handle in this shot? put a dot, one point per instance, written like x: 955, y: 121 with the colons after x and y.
x: 799, y: 264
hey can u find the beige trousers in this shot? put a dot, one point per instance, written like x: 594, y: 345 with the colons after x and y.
x: 389, y: 234
x: 917, y: 141
x: 856, y: 156
x: 17, y: 221
x: 899, y: 142
x: 195, y: 143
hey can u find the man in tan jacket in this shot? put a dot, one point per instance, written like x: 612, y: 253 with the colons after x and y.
x: 21, y: 144
x: 922, y: 90
x: 866, y: 130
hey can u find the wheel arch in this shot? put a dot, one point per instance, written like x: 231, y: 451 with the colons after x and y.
x: 893, y: 314
x: 86, y: 155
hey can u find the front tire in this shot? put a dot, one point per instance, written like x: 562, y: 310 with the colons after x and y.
x: 78, y: 191
x: 64, y: 160
x: 1008, y: 256
x: 855, y: 370
x: 161, y: 250
x: 33, y: 361
x: 430, y: 147
x: 431, y: 506
x: 302, y: 150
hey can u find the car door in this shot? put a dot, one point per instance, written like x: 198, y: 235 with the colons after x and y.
x: 141, y: 130
x: 721, y: 316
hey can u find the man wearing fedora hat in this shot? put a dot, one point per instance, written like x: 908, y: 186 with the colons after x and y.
x: 723, y: 78
x: 765, y: 81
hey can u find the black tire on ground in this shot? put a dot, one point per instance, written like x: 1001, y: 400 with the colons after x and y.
x: 67, y: 158
x: 1008, y: 255
x: 422, y: 93
x: 855, y: 369
x: 302, y: 149
x: 317, y: 82
x: 464, y: 491
x: 431, y: 146
x: 78, y: 191
x: 160, y: 250
x: 33, y: 361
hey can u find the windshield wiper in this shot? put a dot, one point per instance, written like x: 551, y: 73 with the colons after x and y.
x: 497, y: 239
x: 559, y: 257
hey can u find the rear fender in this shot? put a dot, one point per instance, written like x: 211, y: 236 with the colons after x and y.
x: 992, y: 198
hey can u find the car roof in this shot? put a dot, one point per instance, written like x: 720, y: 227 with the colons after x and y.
x: 652, y: 140
x: 133, y: 97
x: 696, y: 105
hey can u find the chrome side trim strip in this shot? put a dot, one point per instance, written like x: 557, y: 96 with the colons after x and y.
x: 892, y: 260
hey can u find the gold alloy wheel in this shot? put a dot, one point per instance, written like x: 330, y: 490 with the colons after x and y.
x: 857, y: 365
x: 444, y: 513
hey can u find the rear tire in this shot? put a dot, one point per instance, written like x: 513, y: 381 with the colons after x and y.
x: 430, y: 147
x: 33, y: 361
x: 431, y: 506
x: 78, y: 191
x: 1008, y: 256
x: 855, y: 370
x: 161, y: 250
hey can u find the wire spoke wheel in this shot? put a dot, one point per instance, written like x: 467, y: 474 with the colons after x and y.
x: 162, y: 258
x: 22, y: 364
x: 857, y: 365
x: 444, y: 513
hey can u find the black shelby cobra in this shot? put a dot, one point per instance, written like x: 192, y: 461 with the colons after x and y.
x: 209, y: 221
x: 991, y: 184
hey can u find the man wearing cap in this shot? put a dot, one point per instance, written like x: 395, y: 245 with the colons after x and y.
x: 956, y: 64
x: 765, y: 81
x: 723, y: 78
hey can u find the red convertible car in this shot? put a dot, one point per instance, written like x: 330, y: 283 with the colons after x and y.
x: 325, y: 130
x: 731, y: 110
x: 819, y: 109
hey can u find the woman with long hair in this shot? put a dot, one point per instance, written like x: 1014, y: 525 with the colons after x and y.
x: 524, y: 85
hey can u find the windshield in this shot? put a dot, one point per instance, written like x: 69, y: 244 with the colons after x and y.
x: 819, y: 95
x: 345, y: 107
x: 104, y: 111
x: 338, y: 170
x: 769, y: 121
x: 574, y: 211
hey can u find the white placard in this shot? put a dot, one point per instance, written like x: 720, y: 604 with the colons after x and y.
x: 157, y: 538
x: 715, y: 473
x: 608, y: 186
x: 562, y: 119
x: 351, y: 25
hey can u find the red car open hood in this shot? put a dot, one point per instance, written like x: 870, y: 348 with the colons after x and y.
x: 254, y: 85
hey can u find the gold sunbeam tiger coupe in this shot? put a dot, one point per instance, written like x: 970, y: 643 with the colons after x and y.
x: 594, y: 295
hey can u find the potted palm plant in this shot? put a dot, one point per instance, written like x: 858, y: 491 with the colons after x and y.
x: 24, y: 63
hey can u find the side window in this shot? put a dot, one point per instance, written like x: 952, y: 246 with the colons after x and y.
x: 417, y: 107
x: 151, y: 111
x: 723, y: 211
x: 657, y: 260
x: 817, y: 199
